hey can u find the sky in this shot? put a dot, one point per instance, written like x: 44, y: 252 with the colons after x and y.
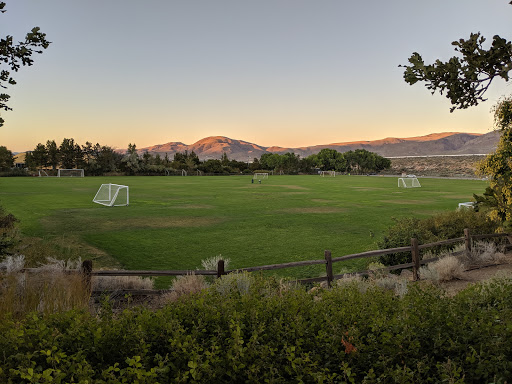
x: 287, y: 73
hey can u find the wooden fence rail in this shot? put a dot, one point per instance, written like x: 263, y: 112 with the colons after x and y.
x: 328, y: 261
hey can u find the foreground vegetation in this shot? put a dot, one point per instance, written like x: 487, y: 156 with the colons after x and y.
x: 250, y: 329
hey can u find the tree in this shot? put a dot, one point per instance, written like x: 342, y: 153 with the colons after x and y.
x: 70, y: 154
x: 224, y: 159
x: 330, y: 160
x: 53, y: 153
x: 38, y: 158
x: 6, y: 159
x: 131, y: 160
x: 497, y: 166
x: 15, y: 55
x: 464, y: 79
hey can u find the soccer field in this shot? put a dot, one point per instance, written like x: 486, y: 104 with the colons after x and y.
x: 175, y: 222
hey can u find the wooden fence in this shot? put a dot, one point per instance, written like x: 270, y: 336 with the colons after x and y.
x: 328, y: 261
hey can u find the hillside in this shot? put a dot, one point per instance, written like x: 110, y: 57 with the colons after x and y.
x: 444, y: 166
x: 447, y: 143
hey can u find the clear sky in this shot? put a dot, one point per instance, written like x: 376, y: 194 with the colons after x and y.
x: 272, y: 72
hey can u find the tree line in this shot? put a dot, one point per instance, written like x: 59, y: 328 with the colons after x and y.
x: 98, y: 160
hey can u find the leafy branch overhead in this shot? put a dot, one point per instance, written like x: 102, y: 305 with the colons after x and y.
x: 15, y: 55
x: 464, y: 79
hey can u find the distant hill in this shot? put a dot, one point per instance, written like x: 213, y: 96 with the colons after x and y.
x: 447, y: 143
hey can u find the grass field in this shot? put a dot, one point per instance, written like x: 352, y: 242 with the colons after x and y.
x: 175, y: 222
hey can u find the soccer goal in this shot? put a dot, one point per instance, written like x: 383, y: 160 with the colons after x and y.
x: 112, y: 195
x: 43, y: 173
x: 70, y: 172
x: 260, y: 175
x: 328, y: 173
x: 408, y: 182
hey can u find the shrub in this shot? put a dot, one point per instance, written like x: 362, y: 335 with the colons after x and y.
x: 184, y: 286
x: 442, y: 226
x: 428, y: 273
x: 239, y: 282
x: 8, y: 232
x: 447, y: 268
x: 211, y: 263
x: 347, y: 335
x: 483, y: 252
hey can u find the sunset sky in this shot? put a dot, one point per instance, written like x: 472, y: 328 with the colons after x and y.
x: 273, y: 72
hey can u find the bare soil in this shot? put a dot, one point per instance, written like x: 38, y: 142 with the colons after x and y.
x: 479, y: 274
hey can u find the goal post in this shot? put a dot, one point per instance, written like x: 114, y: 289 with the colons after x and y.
x: 112, y: 195
x: 408, y: 182
x: 43, y: 173
x: 75, y: 172
x: 260, y: 175
x: 328, y: 173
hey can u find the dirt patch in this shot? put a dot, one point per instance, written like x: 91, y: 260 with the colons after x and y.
x: 406, y: 202
x: 369, y: 188
x: 479, y: 275
x: 163, y: 222
x: 314, y: 210
x: 193, y: 206
x: 291, y: 186
x: 95, y: 224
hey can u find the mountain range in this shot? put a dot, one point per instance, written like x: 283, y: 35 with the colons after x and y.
x: 447, y: 143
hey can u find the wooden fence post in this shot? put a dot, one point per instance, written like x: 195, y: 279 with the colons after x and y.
x: 86, y: 275
x: 467, y: 239
x: 328, y: 267
x: 220, y: 268
x: 415, y: 251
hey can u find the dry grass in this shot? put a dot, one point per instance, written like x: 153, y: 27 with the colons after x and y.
x: 47, y: 290
x: 483, y: 253
x: 115, y: 283
x: 184, y: 286
x: 239, y: 282
x: 447, y: 268
x: 13, y: 263
x: 314, y: 210
x: 211, y: 263
x: 397, y: 284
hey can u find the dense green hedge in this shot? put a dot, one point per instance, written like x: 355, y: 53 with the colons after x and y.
x: 355, y: 334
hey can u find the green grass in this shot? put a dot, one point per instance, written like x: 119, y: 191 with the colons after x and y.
x: 175, y: 222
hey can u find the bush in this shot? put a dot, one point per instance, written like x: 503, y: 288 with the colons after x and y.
x: 14, y: 172
x: 343, y: 334
x: 442, y: 226
x: 445, y: 269
x: 8, y: 232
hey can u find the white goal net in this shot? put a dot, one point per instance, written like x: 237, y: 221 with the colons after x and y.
x: 408, y: 182
x: 70, y: 173
x: 112, y: 195
x: 328, y: 173
x: 260, y: 175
